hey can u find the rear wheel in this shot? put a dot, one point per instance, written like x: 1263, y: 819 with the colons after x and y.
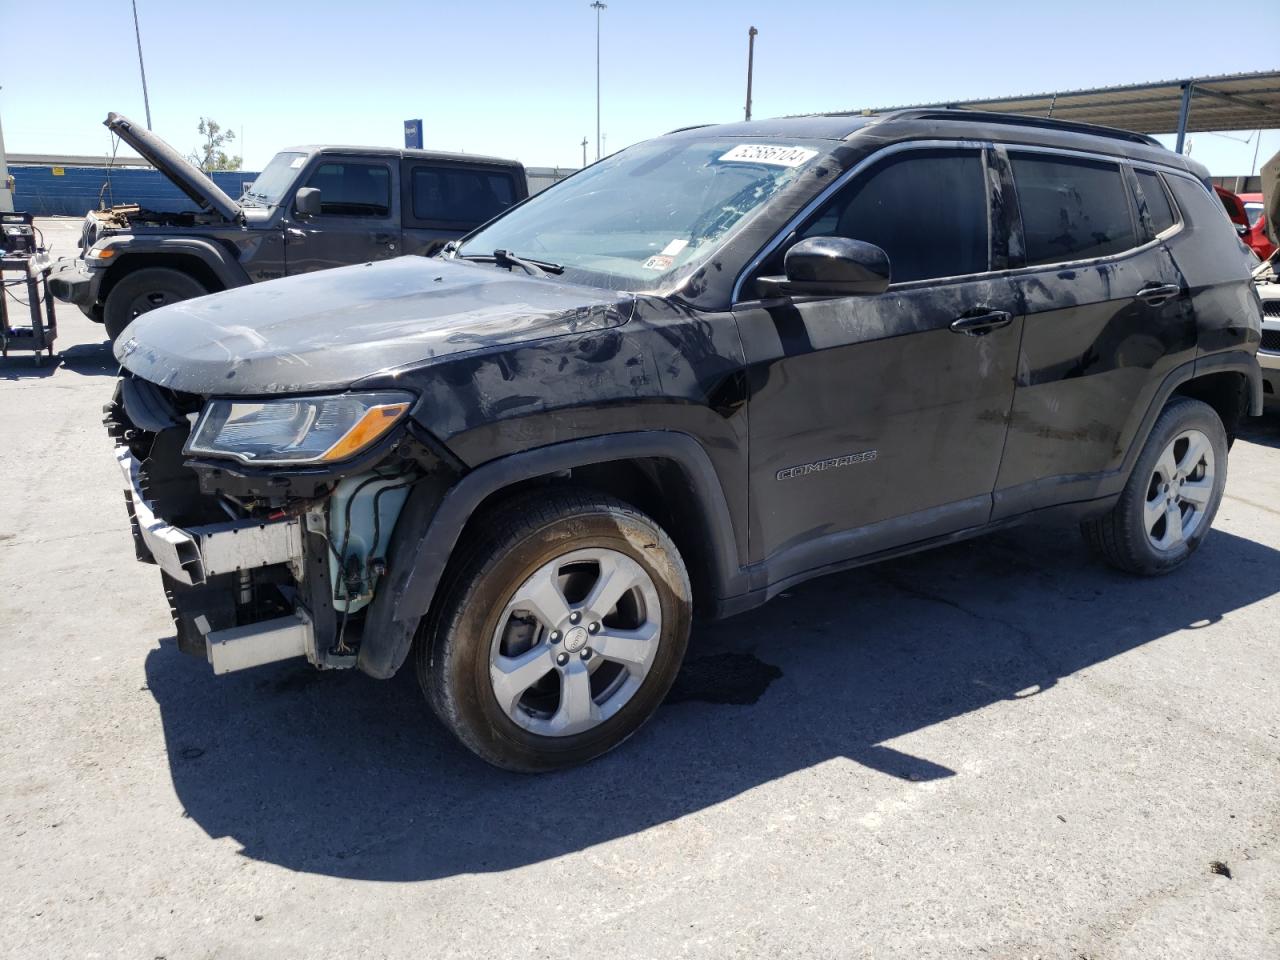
x: 143, y: 291
x: 1168, y: 505
x: 558, y: 633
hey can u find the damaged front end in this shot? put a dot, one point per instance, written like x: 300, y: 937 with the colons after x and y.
x: 266, y: 554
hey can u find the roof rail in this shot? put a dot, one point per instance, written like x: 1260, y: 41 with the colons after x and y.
x: 693, y: 126
x: 1022, y: 120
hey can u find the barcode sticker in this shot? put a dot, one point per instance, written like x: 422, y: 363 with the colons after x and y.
x: 771, y: 154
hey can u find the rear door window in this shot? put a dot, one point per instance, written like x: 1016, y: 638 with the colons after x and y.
x: 1072, y: 209
x: 457, y: 195
x: 1159, y: 208
x: 350, y: 189
x: 926, y: 209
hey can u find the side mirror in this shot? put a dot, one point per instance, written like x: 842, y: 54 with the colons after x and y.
x: 831, y: 267
x: 306, y: 202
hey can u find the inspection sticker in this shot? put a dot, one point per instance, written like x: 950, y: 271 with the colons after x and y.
x: 297, y: 162
x: 767, y: 153
x: 674, y: 247
x: 658, y: 263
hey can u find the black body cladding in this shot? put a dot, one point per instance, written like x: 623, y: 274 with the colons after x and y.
x: 985, y: 383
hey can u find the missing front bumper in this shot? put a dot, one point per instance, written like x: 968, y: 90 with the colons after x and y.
x: 192, y: 557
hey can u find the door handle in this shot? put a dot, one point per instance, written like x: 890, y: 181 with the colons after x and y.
x: 980, y: 324
x: 293, y: 235
x: 386, y: 238
x: 1158, y: 293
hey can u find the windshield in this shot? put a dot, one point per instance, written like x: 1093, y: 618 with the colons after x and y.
x: 647, y: 217
x: 273, y: 182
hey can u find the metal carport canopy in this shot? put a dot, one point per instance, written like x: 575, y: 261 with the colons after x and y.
x: 1238, y: 101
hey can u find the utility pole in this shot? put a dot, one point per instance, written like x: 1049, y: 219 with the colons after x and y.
x: 141, y: 69
x: 751, y: 53
x: 597, y: 6
x: 584, y: 151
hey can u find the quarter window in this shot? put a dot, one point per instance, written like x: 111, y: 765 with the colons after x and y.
x: 926, y: 209
x: 1072, y: 209
x: 353, y: 189
x: 460, y: 196
x: 1159, y: 209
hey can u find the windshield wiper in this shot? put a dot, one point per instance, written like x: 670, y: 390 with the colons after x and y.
x: 501, y: 258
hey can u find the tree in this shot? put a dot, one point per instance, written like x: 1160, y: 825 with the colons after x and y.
x: 209, y: 155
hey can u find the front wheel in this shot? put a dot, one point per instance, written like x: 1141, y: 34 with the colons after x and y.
x: 558, y: 632
x: 1168, y: 505
x: 145, y: 290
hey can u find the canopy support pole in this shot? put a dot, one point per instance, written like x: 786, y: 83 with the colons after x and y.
x: 1188, y: 89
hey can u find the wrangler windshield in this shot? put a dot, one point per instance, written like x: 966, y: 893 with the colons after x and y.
x: 647, y: 217
x: 274, y: 181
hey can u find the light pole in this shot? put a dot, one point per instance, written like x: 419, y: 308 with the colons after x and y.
x: 141, y: 69
x: 597, y: 6
x: 751, y: 53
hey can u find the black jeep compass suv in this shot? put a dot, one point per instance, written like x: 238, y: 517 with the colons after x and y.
x: 705, y: 368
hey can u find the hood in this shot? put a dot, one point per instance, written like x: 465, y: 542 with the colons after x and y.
x: 330, y: 329
x: 192, y: 181
x: 1271, y: 197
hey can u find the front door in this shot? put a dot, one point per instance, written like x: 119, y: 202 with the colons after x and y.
x: 358, y: 220
x: 880, y: 420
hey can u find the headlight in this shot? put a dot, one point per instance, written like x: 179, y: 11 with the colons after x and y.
x: 298, y: 430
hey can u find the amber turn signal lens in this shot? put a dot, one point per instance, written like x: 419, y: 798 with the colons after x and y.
x: 375, y: 422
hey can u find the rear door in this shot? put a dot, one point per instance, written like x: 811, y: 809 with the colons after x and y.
x: 359, y: 218
x: 879, y: 420
x: 443, y: 200
x: 1106, y: 316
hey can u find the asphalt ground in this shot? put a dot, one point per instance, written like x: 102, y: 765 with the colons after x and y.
x: 999, y: 749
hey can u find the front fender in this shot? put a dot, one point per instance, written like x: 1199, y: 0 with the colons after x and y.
x: 433, y: 519
x: 216, y: 258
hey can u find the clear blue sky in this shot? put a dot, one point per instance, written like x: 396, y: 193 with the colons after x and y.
x: 518, y: 79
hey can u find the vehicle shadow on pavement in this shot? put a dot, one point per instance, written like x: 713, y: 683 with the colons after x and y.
x: 342, y: 775
x: 1264, y: 430
x: 87, y: 359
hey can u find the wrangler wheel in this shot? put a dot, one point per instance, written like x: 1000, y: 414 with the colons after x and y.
x: 558, y: 632
x: 143, y: 291
x: 1168, y: 505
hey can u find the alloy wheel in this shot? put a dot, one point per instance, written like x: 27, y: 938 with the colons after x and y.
x: 575, y: 642
x: 1180, y: 489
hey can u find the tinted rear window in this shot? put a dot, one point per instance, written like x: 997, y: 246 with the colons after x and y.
x: 927, y: 210
x: 1072, y: 209
x: 1159, y: 209
x: 459, y: 195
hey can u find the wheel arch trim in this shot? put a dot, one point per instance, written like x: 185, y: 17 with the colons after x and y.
x: 433, y: 520
x: 133, y: 249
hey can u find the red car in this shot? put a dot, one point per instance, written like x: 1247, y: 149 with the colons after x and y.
x: 1257, y: 237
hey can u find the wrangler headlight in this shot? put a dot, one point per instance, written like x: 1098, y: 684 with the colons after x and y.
x: 296, y: 430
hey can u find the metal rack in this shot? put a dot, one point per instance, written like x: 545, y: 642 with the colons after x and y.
x: 43, y: 329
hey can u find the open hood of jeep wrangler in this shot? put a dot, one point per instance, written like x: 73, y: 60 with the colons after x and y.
x: 329, y: 329
x: 193, y: 182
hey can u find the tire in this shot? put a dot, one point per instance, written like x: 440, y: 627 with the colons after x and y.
x: 477, y: 628
x: 145, y: 290
x: 1123, y: 536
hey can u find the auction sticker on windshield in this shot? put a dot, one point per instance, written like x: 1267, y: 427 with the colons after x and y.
x: 768, y: 153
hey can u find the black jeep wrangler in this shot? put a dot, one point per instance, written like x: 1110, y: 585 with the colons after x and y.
x: 701, y: 370
x: 311, y: 208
